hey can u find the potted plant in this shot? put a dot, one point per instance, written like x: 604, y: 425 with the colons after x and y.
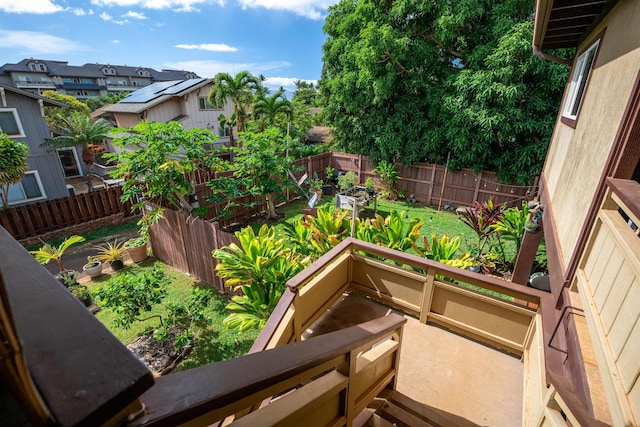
x: 111, y: 253
x: 93, y: 267
x: 137, y: 248
x: 315, y: 187
x: 347, y: 182
x: 330, y: 177
x: 49, y: 253
x: 82, y: 293
x: 368, y: 184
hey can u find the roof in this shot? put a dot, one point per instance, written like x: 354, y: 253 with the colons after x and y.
x: 319, y: 134
x: 565, y: 23
x: 155, y: 93
x: 31, y: 95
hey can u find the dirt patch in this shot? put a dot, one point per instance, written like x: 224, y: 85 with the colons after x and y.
x: 159, y: 356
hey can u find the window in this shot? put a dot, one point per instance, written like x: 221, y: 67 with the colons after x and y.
x: 224, y: 131
x: 42, y: 67
x: 578, y: 83
x: 82, y: 93
x: 33, y: 66
x: 10, y: 122
x: 206, y: 105
x: 87, y: 81
x: 30, y: 188
x: 69, y: 80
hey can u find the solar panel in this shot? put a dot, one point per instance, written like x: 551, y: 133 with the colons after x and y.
x: 182, y: 86
x: 148, y: 93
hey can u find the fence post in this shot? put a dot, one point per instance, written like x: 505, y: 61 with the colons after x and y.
x: 433, y: 179
x: 477, y: 190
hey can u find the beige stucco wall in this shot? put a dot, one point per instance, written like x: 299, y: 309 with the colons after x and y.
x: 577, y: 157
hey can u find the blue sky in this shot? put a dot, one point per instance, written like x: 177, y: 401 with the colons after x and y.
x: 280, y: 39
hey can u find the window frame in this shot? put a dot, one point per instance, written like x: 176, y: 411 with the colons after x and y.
x: 579, y: 81
x: 33, y: 199
x: 16, y: 118
x: 205, y: 103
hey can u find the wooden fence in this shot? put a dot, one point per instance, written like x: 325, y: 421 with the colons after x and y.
x: 186, y: 243
x: 434, y: 185
x: 36, y: 219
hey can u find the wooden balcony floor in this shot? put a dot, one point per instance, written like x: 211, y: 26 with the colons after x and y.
x: 445, y: 371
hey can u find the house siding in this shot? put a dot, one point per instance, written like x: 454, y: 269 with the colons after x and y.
x: 36, y: 131
x: 580, y: 155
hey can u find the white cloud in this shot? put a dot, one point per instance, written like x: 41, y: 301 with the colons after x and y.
x: 211, y: 68
x: 212, y: 47
x: 31, y: 6
x: 134, y: 15
x: 31, y: 42
x: 81, y: 12
x: 115, y: 41
x: 176, y: 5
x: 288, y: 83
x: 312, y: 9
x: 106, y: 17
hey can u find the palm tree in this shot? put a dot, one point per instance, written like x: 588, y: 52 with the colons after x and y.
x: 269, y: 107
x: 80, y: 129
x: 228, y: 122
x: 239, y: 89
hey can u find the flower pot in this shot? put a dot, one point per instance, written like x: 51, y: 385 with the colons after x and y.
x: 117, y: 264
x: 93, y: 269
x: 327, y: 189
x: 138, y: 253
x: 61, y: 277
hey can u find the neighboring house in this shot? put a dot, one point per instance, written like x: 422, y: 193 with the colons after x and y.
x: 184, y: 101
x: 82, y: 82
x: 22, y: 118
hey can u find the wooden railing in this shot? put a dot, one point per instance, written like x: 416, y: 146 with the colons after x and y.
x: 608, y: 282
x: 326, y: 380
x: 423, y: 288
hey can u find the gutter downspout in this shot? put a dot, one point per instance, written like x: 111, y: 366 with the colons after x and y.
x: 537, y: 52
x: 543, y: 9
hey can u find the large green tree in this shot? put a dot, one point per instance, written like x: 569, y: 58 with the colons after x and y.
x: 13, y: 164
x: 239, y: 89
x: 79, y: 129
x: 415, y: 80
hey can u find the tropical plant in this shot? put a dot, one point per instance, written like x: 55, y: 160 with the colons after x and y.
x: 79, y: 129
x: 314, y: 184
x: 259, y: 267
x: 299, y: 237
x: 228, y: 123
x: 274, y: 110
x: 328, y: 228
x: 13, y: 164
x: 49, y: 253
x: 512, y: 224
x: 161, y: 167
x: 239, y: 89
x: 396, y: 231
x: 388, y: 177
x: 329, y: 174
x: 445, y: 250
x: 110, y: 252
x: 481, y: 217
x: 131, y: 293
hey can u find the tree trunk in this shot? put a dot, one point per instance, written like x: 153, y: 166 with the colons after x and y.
x: 271, y: 207
x: 89, y: 158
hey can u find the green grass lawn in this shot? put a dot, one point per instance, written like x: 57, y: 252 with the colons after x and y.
x: 215, y: 342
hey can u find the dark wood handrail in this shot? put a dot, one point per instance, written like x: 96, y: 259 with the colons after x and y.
x: 84, y: 374
x: 629, y: 193
x: 183, y: 396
